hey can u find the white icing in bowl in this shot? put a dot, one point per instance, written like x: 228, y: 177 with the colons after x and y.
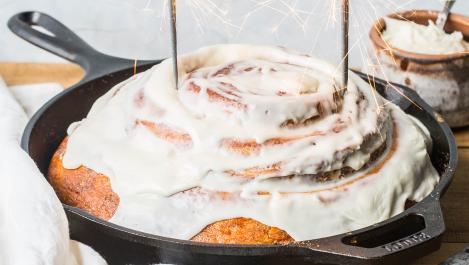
x: 412, y: 37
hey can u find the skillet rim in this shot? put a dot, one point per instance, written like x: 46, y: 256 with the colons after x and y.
x: 440, y: 188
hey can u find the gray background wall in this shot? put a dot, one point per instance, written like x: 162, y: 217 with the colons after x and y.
x: 138, y: 28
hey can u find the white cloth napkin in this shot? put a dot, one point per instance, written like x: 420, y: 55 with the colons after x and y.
x: 32, y: 97
x: 33, y: 225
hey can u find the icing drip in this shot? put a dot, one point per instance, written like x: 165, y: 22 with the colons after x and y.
x: 256, y: 132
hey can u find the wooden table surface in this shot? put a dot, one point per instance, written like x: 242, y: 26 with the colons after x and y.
x: 455, y: 203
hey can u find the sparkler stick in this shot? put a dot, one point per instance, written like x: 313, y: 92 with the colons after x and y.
x: 174, y: 43
x: 345, y: 42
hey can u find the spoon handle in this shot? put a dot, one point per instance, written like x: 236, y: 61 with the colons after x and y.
x: 443, y: 16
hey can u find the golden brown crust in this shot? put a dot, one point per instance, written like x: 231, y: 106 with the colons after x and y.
x: 82, y: 187
x: 242, y: 231
x: 85, y: 189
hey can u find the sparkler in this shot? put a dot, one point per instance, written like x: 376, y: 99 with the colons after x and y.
x: 303, y: 14
x: 345, y: 41
x: 174, y: 44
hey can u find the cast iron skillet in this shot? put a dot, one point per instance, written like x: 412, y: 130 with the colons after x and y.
x: 407, y: 236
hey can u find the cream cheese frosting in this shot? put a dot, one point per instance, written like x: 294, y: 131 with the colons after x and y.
x: 412, y: 37
x: 170, y: 154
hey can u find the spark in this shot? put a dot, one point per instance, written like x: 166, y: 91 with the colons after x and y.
x: 373, y: 66
x: 287, y: 10
x: 310, y: 17
x: 203, y: 10
x: 135, y: 68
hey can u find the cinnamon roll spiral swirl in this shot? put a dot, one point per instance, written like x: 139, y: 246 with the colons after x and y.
x: 256, y: 140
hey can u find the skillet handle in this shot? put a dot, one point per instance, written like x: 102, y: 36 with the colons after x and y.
x: 399, y: 239
x: 49, y: 34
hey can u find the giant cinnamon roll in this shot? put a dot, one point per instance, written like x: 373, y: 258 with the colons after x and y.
x: 257, y: 145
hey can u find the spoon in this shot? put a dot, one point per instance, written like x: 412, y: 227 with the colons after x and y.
x: 443, y: 16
